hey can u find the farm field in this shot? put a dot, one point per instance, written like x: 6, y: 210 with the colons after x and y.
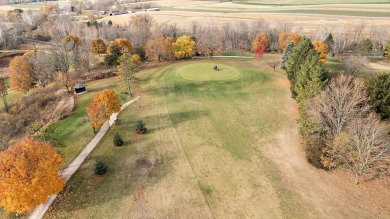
x: 220, y: 145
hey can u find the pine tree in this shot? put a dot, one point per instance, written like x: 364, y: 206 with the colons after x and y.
x: 387, y: 51
x: 286, y: 54
x: 295, y: 61
x: 311, y: 78
x: 329, y: 41
x: 378, y: 89
x: 118, y: 141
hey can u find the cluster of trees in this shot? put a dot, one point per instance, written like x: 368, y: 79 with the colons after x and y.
x: 340, y: 117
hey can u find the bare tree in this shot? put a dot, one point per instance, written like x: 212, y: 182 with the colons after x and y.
x: 343, y: 100
x: 141, y: 26
x: 273, y: 63
x: 209, y: 42
x: 367, y: 152
x: 356, y: 64
x: 42, y: 67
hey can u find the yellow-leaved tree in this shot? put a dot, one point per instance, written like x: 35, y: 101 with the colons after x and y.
x: 184, y: 47
x: 19, y: 73
x: 29, y: 174
x: 322, y: 49
x: 128, y: 66
x: 103, y: 105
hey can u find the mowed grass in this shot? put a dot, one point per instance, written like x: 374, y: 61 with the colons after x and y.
x: 202, y: 156
x: 75, y: 130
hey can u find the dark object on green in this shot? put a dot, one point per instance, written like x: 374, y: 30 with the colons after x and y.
x: 117, y: 140
x: 100, y: 167
x: 140, y: 127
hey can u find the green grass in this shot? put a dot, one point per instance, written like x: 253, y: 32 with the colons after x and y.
x: 206, y: 72
x: 237, y: 53
x: 203, y: 148
x: 75, y: 130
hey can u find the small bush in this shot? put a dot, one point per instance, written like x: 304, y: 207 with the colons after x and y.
x: 118, y: 141
x: 314, y: 152
x: 140, y: 127
x: 100, y: 167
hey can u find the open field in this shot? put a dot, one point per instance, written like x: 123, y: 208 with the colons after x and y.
x: 217, y: 147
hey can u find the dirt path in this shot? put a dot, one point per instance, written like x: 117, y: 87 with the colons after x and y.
x: 334, y: 195
x: 379, y: 66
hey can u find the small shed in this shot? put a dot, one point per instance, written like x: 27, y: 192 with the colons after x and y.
x: 79, y: 88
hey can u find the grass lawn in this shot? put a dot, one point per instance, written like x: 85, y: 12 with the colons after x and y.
x: 203, y: 155
x: 75, y: 130
x: 237, y: 53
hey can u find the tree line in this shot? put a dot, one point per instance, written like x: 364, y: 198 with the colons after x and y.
x: 340, y: 117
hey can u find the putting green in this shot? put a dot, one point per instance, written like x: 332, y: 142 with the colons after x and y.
x: 206, y: 72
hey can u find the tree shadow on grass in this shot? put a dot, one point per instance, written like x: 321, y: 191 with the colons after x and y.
x: 175, y: 117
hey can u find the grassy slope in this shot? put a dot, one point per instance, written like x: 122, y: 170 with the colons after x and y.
x: 72, y: 130
x: 205, y: 148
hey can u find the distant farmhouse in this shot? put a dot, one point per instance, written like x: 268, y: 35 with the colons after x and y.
x: 113, y: 13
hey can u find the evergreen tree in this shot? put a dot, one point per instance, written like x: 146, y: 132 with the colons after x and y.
x: 311, y: 78
x: 378, y: 89
x: 329, y: 41
x: 387, y: 51
x: 100, y: 167
x: 286, y: 54
x: 112, y: 58
x: 295, y: 62
x: 118, y: 141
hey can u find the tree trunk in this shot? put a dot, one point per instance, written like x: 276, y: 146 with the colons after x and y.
x: 94, y: 130
x: 128, y: 84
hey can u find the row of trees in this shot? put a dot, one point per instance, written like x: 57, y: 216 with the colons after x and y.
x: 338, y: 122
x: 233, y: 36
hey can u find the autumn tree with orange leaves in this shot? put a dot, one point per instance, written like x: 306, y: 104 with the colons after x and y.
x: 260, y: 40
x: 124, y: 44
x: 286, y: 38
x: 103, y: 105
x: 168, y: 49
x: 19, y: 74
x: 322, y: 49
x: 29, y: 174
x: 155, y: 48
x: 98, y: 46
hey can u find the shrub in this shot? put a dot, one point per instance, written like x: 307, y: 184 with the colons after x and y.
x: 140, y: 127
x: 117, y: 140
x: 100, y: 167
x: 378, y: 89
x: 314, y: 152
